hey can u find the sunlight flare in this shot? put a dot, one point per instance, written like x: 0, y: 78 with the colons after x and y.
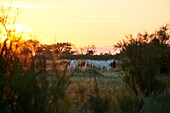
x: 21, y: 4
x: 16, y: 30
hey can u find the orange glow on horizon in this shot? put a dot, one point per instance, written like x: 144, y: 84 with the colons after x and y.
x: 91, y: 22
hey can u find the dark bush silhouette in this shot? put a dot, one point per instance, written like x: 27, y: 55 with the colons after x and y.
x: 143, y: 57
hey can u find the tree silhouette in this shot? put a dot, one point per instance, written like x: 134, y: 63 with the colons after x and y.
x: 63, y: 48
x: 90, y: 49
x: 140, y: 60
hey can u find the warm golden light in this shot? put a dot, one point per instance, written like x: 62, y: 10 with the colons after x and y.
x: 19, y: 28
x: 16, y: 30
x: 94, y: 22
x: 3, y: 34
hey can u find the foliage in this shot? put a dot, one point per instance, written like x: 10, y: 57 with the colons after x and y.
x: 87, y: 50
x: 128, y: 103
x: 93, y: 94
x: 25, y: 85
x: 63, y: 48
x: 90, y: 49
x: 141, y: 57
x: 158, y: 104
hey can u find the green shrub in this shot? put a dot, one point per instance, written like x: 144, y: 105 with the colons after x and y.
x: 140, y: 60
x: 158, y: 104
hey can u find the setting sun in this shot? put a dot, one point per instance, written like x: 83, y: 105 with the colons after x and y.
x: 3, y: 34
x: 19, y: 28
x: 84, y: 56
x: 94, y: 22
x: 22, y: 28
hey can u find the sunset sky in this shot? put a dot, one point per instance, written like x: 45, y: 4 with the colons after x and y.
x: 98, y: 22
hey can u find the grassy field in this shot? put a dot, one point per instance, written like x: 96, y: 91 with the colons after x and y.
x: 104, y: 80
x: 110, y: 85
x: 78, y: 91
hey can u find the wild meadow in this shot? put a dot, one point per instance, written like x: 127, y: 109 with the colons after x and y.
x: 33, y: 81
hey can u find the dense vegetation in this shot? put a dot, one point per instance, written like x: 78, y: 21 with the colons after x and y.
x: 26, y: 86
x: 145, y: 59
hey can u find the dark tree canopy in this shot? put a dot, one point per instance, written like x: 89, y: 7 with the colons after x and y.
x: 143, y: 57
x: 90, y: 49
x: 63, y: 48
